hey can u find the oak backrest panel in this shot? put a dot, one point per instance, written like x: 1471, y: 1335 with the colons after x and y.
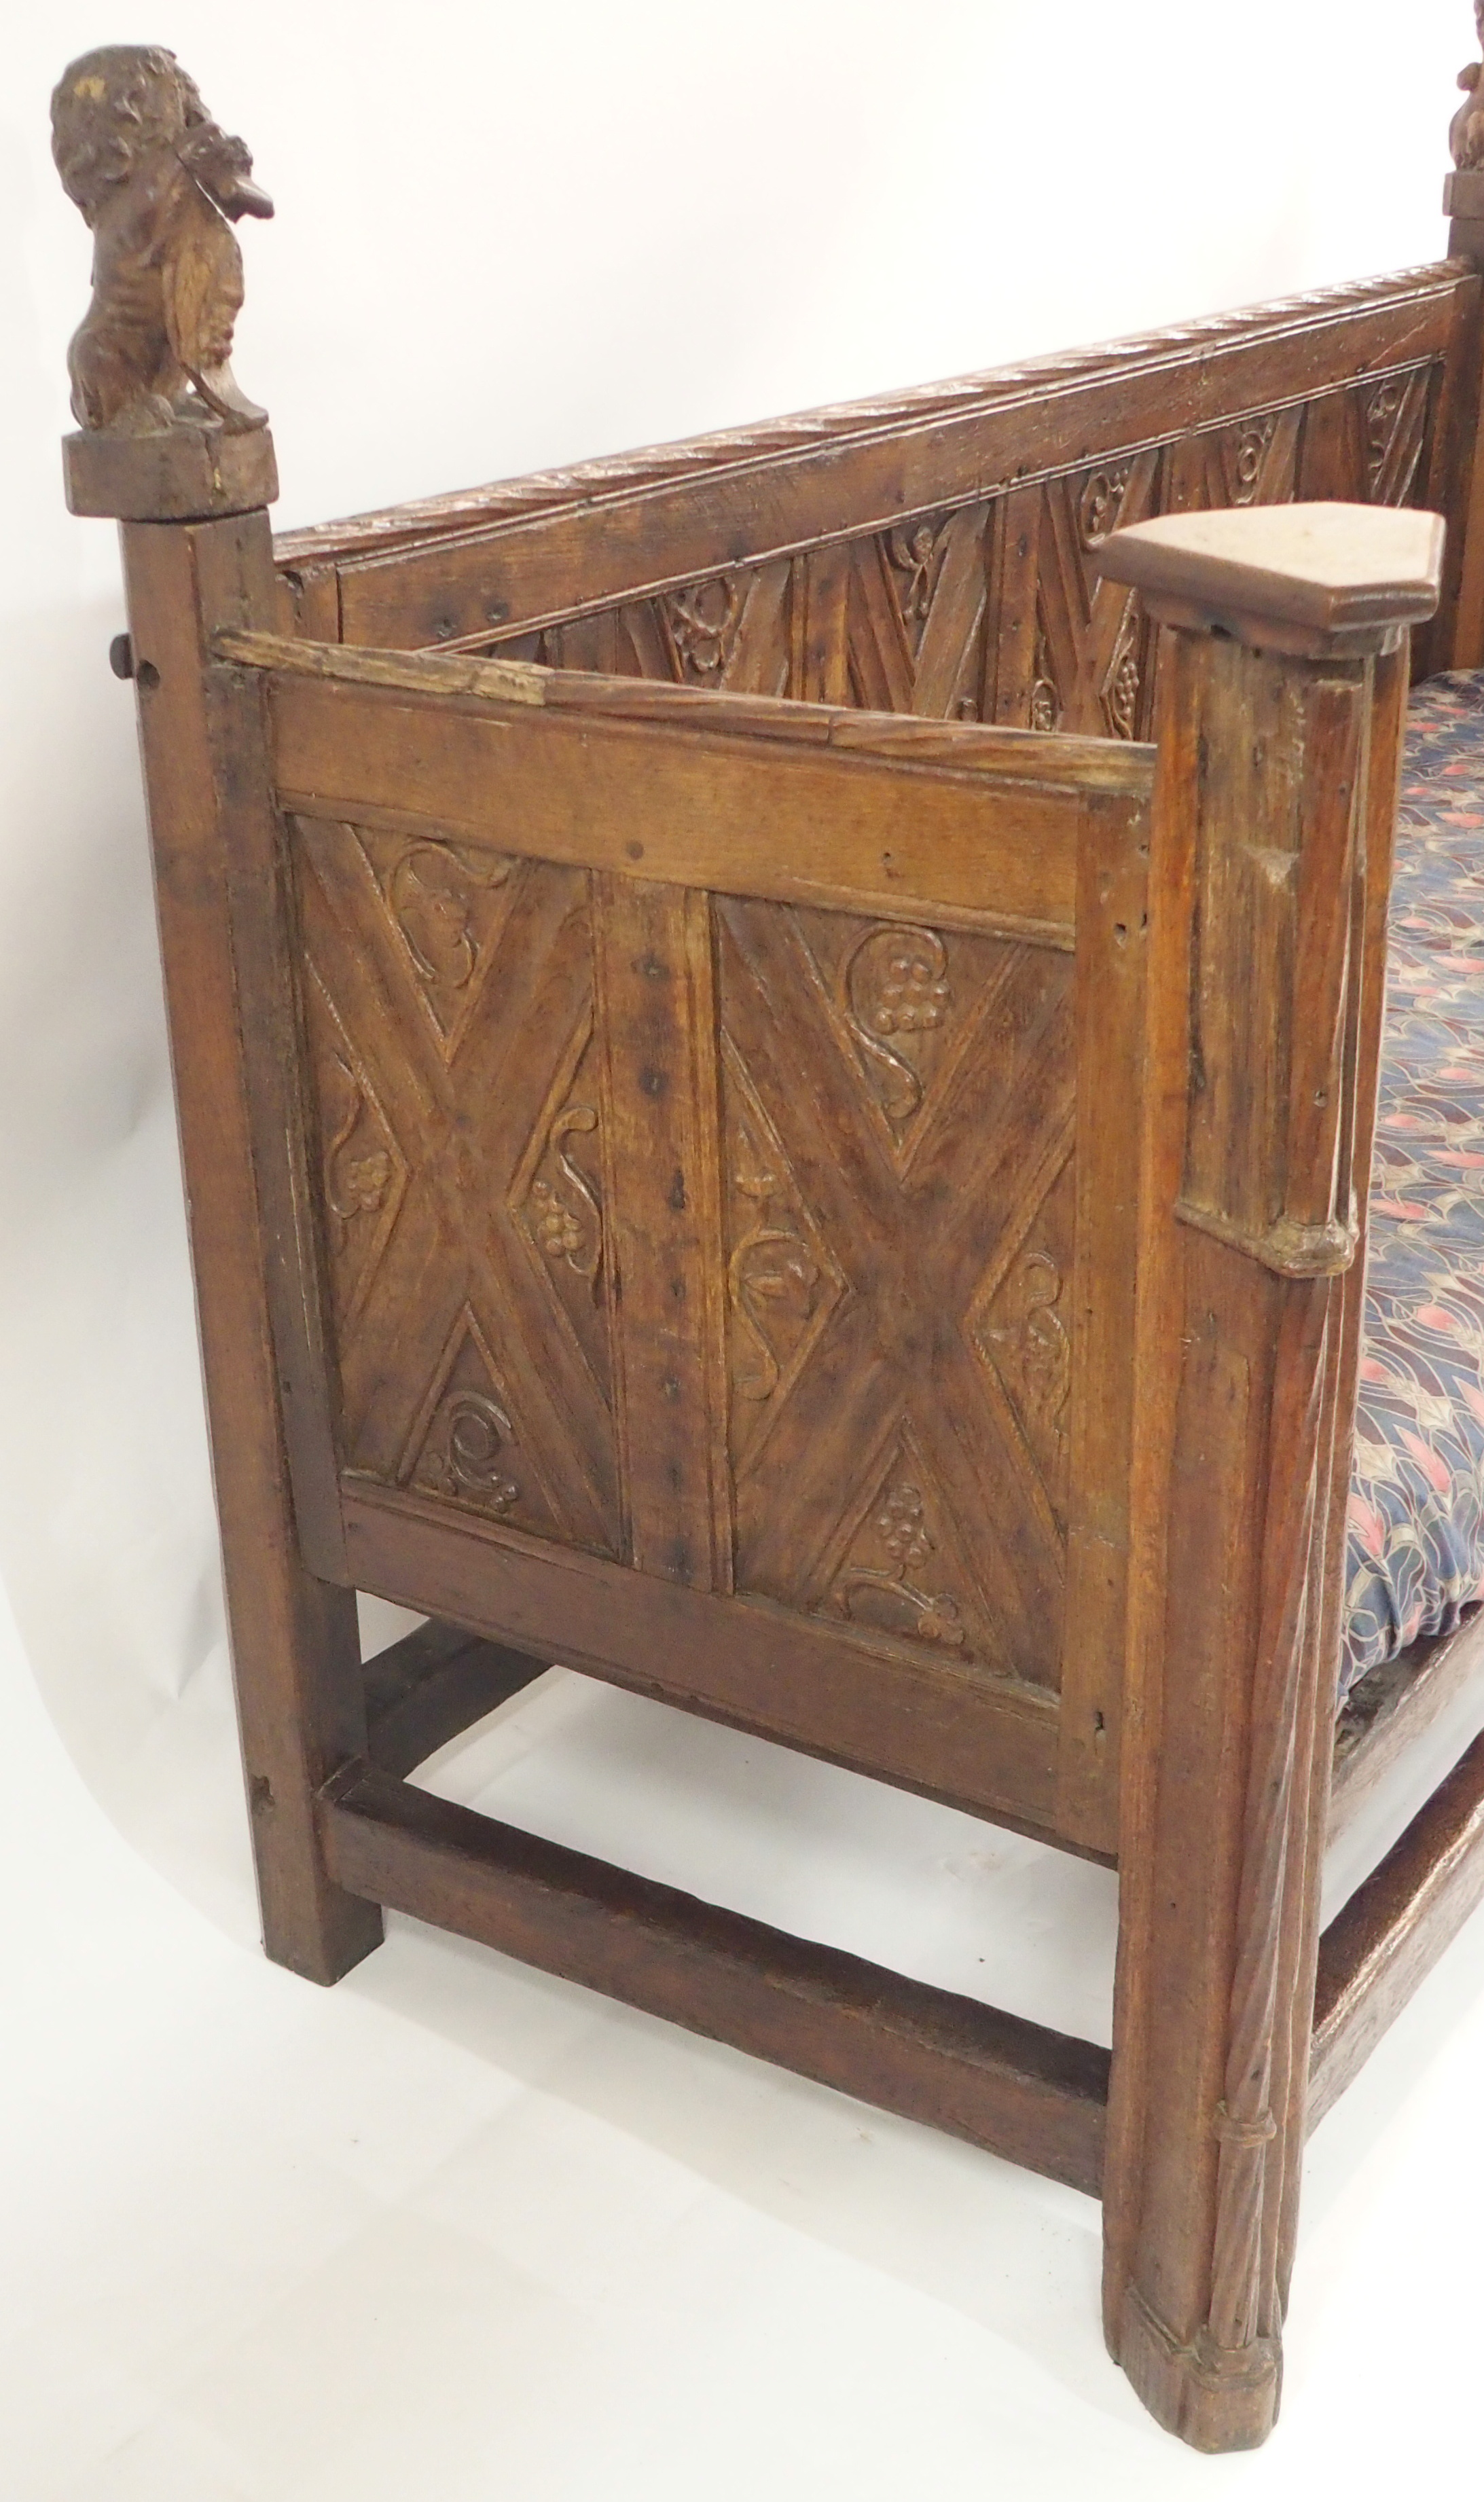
x: 720, y: 1141
x: 930, y: 553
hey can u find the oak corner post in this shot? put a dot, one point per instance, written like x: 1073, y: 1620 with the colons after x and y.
x: 295, y: 1649
x: 1282, y: 685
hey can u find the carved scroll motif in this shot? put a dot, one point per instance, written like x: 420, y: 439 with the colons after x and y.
x: 881, y: 1583
x: 465, y: 1453
x: 894, y: 988
x: 157, y: 182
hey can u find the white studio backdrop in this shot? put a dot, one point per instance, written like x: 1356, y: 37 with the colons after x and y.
x: 509, y: 238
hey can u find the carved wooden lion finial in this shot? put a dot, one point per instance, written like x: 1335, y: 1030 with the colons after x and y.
x: 1465, y: 136
x: 157, y: 181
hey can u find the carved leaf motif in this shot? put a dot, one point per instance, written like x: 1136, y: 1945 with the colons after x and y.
x: 357, y: 1178
x: 1021, y: 1324
x: 915, y: 557
x: 895, y: 990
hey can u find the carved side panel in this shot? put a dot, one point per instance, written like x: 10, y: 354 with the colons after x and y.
x: 897, y: 1101
x: 449, y: 1001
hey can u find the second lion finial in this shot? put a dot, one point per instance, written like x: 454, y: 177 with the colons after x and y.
x: 157, y: 182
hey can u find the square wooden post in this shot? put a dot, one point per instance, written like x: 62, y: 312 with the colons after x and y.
x: 207, y: 562
x: 1283, y: 680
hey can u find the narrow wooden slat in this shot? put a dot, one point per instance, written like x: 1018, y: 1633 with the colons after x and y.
x: 1394, y: 1928
x: 1048, y: 762
x: 1390, y: 1705
x: 432, y: 1685
x: 1034, y: 2096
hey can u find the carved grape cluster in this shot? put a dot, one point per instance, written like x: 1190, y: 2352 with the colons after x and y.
x: 363, y: 1181
x: 902, y: 1530
x: 559, y: 1232
x: 914, y: 997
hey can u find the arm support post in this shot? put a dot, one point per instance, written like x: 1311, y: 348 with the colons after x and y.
x: 1282, y: 686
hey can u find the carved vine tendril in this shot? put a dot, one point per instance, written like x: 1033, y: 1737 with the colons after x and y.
x: 431, y: 895
x: 1036, y: 1342
x: 888, y: 1599
x: 353, y: 1185
x: 568, y: 1219
x: 894, y: 982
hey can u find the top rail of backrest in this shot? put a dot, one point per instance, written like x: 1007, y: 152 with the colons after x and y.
x: 473, y: 569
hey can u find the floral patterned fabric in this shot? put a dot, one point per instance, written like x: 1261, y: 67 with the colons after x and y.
x: 1416, y: 1543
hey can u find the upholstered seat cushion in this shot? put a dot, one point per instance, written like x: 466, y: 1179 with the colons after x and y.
x: 1416, y: 1543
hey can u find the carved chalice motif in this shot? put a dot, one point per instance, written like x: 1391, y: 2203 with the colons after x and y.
x: 160, y: 186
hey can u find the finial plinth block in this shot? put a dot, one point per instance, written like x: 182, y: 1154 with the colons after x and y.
x: 194, y: 473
